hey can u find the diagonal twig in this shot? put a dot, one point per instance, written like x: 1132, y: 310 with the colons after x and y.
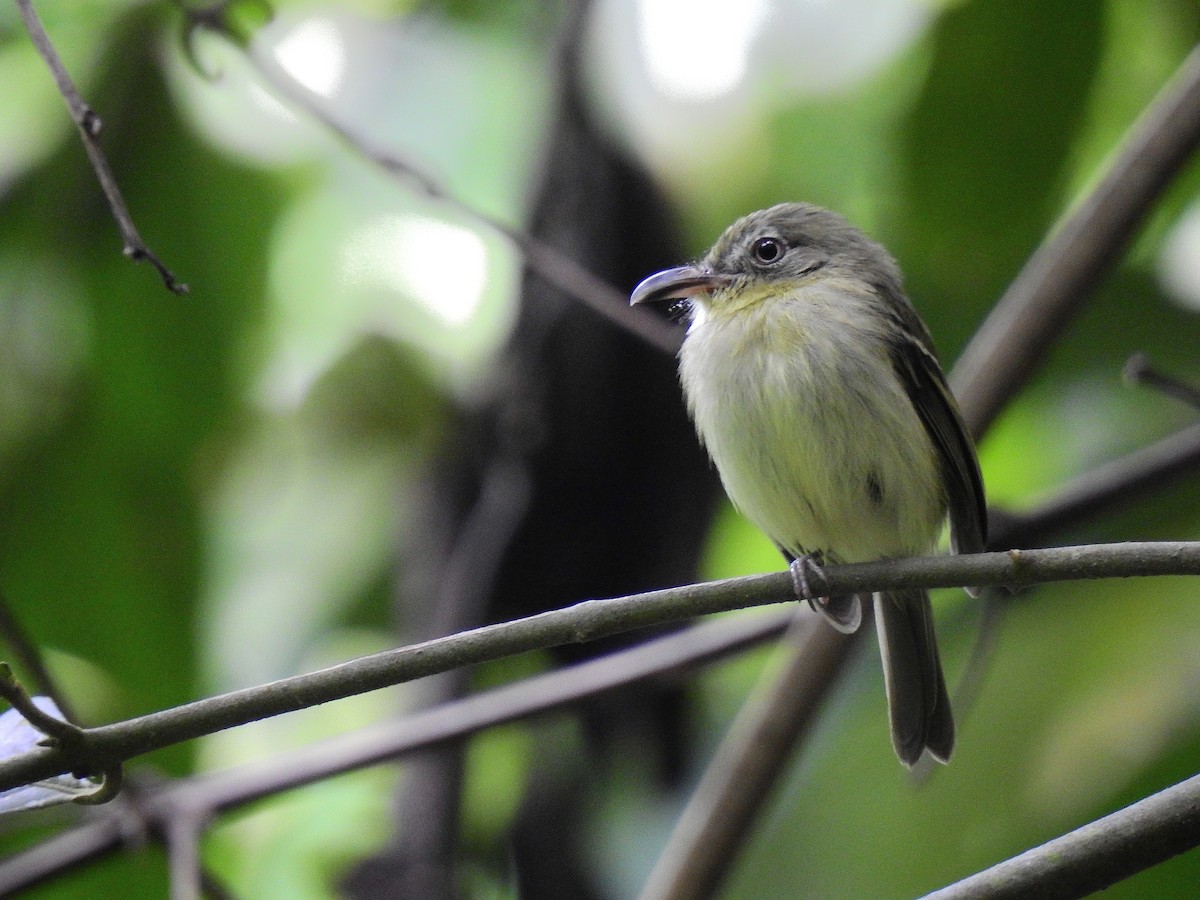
x: 1095, y: 856
x: 27, y: 653
x: 1050, y: 289
x: 547, y: 261
x: 63, y: 732
x: 1140, y: 370
x: 89, y: 125
x: 1103, y: 489
x: 732, y: 789
x: 181, y: 834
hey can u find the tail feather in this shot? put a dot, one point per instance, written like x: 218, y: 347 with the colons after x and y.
x: 918, y: 704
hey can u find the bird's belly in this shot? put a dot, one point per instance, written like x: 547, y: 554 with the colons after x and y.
x: 828, y: 458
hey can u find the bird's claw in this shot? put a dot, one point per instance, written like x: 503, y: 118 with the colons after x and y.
x: 800, y: 567
x: 844, y: 613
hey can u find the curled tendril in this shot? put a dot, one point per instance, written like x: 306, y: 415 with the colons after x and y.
x: 112, y: 779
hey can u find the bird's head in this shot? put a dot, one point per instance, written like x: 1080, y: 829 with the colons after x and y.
x: 768, y: 253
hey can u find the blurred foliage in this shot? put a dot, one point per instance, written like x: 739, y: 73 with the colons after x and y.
x: 203, y: 492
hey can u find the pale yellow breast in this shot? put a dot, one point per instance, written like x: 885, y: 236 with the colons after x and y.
x: 814, y: 437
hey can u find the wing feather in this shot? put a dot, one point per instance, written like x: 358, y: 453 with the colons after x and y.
x: 923, y: 380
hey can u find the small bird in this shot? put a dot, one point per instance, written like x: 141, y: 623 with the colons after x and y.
x: 815, y: 388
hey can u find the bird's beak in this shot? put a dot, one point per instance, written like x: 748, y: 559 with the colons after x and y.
x: 677, y: 284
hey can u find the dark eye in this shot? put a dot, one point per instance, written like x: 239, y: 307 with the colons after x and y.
x: 767, y: 250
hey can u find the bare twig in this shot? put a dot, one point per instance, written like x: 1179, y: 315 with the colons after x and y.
x: 182, y: 838
x: 594, y: 619
x: 58, y: 854
x: 1006, y: 350
x: 1103, y: 489
x: 70, y: 740
x: 744, y: 770
x: 548, y: 262
x: 1095, y: 856
x: 461, y: 718
x: 89, y: 126
x: 84, y: 116
x: 29, y: 656
x: 63, y: 732
x: 1140, y: 370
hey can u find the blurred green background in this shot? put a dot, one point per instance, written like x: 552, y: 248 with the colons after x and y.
x: 206, y: 492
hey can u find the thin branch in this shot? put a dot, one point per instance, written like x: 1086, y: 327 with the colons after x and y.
x: 69, y: 739
x: 680, y: 651
x: 234, y: 788
x: 1102, y: 489
x: 742, y: 773
x: 58, y: 854
x: 29, y: 656
x: 548, y: 262
x: 1140, y: 370
x: 63, y: 732
x: 89, y: 126
x: 181, y: 834
x: 591, y: 620
x: 1095, y: 856
x: 1050, y: 289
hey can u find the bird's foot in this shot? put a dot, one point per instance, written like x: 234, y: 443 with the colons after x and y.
x: 800, y: 567
x: 844, y: 613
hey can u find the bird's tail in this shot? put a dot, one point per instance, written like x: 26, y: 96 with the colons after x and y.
x: 918, y: 705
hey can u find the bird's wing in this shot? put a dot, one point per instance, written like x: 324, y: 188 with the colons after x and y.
x: 925, y: 383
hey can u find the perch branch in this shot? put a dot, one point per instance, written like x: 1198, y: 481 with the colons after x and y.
x: 591, y: 620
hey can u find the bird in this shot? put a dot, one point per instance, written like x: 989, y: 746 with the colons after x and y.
x: 814, y: 385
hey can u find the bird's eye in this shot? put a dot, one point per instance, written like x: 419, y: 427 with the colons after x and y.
x: 767, y: 250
